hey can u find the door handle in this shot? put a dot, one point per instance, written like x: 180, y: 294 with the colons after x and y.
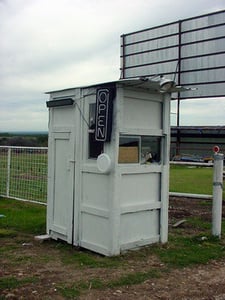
x: 72, y: 160
x: 69, y: 162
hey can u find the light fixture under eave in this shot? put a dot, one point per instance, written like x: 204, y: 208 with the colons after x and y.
x: 169, y: 86
x: 166, y: 85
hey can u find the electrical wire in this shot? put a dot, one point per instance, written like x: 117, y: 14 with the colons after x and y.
x: 82, y: 115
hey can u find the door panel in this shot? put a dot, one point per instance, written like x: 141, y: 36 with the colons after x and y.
x: 62, y: 178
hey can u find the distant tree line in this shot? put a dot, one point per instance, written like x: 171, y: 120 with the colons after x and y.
x: 39, y: 140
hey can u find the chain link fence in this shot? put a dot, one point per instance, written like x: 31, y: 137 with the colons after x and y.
x: 23, y: 173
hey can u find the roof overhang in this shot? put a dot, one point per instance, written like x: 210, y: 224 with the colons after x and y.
x: 161, y: 85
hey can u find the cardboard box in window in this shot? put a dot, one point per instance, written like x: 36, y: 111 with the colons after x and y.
x: 128, y: 155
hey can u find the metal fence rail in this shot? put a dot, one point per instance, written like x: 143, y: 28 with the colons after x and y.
x: 194, y: 164
x: 23, y: 173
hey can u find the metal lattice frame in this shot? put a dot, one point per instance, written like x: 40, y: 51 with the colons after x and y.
x: 191, y: 51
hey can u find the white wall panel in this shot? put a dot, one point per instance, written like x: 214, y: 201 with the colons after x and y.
x: 199, y: 22
x: 203, y: 48
x: 136, y: 114
x: 202, y: 76
x: 202, y: 34
x: 204, y: 90
x: 143, y: 191
x: 95, y: 189
x: 213, y: 61
x: 139, y: 226
x: 95, y: 231
x: 151, y: 57
x: 63, y: 117
x: 151, y: 45
x: 151, y: 33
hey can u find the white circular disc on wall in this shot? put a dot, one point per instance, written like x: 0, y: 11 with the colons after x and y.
x: 104, y: 163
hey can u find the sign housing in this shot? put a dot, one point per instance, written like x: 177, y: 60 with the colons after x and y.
x: 103, y: 115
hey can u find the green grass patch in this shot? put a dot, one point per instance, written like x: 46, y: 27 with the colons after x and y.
x: 5, y: 249
x: 75, y: 290
x: 7, y: 232
x: 87, y: 259
x: 134, y: 278
x: 71, y: 255
x: 182, y: 251
x: 199, y: 224
x: 197, y: 180
x: 69, y: 292
x: 12, y: 282
x: 205, y: 203
x: 22, y: 217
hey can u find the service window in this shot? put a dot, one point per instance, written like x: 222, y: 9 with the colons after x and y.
x: 95, y: 148
x: 150, y: 149
x: 129, y: 149
x: 139, y: 149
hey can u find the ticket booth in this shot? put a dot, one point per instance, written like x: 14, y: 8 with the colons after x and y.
x: 108, y: 167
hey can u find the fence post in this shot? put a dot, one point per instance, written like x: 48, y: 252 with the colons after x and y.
x: 217, y: 194
x: 8, y: 172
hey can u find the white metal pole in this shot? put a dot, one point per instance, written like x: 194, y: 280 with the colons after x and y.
x: 217, y: 194
x: 165, y: 171
x: 8, y: 172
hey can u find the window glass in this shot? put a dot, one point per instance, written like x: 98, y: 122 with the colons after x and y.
x: 129, y: 149
x: 150, y: 149
x: 95, y: 147
x: 139, y: 149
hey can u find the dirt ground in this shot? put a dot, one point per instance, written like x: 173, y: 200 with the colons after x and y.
x: 31, y: 260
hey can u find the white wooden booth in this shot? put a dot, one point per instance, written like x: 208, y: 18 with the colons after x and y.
x: 108, y: 169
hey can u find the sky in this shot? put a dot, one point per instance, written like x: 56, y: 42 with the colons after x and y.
x: 57, y: 44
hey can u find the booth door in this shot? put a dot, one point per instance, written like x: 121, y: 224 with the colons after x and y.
x: 61, y: 194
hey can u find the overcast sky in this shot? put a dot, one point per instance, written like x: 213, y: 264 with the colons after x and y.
x: 54, y: 44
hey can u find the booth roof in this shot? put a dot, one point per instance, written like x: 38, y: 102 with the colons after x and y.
x: 142, y: 82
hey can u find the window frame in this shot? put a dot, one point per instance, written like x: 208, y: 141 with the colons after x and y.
x: 140, y: 143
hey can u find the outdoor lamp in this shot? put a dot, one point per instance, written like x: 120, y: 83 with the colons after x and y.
x: 166, y: 85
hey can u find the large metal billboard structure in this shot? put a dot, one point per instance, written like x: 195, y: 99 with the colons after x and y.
x: 190, y: 51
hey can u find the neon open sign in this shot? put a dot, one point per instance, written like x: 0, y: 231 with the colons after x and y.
x: 103, y: 118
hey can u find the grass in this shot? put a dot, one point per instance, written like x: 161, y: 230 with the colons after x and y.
x: 86, y: 259
x: 133, y: 278
x: 75, y: 290
x: 12, y: 282
x: 21, y: 217
x: 182, y: 250
x: 198, y: 223
x: 184, y: 179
